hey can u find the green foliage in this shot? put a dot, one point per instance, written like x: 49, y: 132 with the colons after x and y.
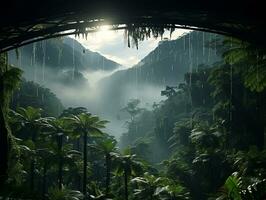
x: 205, y: 138
x: 11, y: 78
x: 127, y: 163
x: 186, y: 147
x: 32, y: 94
x: 132, y: 108
x: 73, y: 111
x: 169, y: 91
x: 232, y: 187
x: 106, y: 145
x: 206, y: 127
x: 28, y: 115
x: 152, y: 187
x: 64, y: 194
x: 86, y: 122
x: 250, y: 62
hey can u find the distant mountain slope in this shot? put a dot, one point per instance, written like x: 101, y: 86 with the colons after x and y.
x: 59, y: 54
x: 32, y: 94
x: 92, y: 60
x: 165, y: 65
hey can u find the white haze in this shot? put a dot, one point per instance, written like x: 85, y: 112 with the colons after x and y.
x: 90, y: 95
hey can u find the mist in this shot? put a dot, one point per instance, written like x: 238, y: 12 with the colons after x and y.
x: 92, y: 95
x: 82, y: 78
x: 91, y: 92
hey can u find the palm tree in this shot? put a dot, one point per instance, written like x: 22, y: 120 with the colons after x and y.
x: 127, y: 165
x: 45, y: 156
x: 30, y: 118
x: 69, y: 112
x: 107, y: 146
x: 58, y: 129
x: 87, y: 125
x: 65, y: 157
x: 53, y: 151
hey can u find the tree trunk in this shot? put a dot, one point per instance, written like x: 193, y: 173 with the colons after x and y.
x: 44, y: 180
x: 260, y: 120
x: 126, y: 186
x: 32, y: 167
x: 85, y: 154
x: 78, y: 144
x: 108, y: 168
x: 3, y: 148
x: 78, y: 182
x: 4, y: 131
x: 151, y: 196
x: 60, y: 162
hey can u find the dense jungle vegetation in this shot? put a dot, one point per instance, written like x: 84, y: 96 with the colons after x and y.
x: 206, y: 140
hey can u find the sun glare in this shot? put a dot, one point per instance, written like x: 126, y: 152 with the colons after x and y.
x: 104, y: 28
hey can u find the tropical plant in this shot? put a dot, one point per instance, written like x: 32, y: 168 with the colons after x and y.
x: 127, y: 165
x: 88, y: 126
x: 58, y: 130
x: 73, y: 111
x: 64, y: 194
x: 232, y: 188
x: 32, y: 94
x: 152, y: 187
x: 107, y: 146
x: 9, y: 81
x: 249, y: 61
x: 30, y: 119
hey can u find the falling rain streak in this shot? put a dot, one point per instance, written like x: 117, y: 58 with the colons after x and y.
x: 169, y: 112
x: 231, y: 83
x: 73, y: 60
x: 43, y: 60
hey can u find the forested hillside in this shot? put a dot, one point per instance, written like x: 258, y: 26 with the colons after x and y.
x: 193, y: 113
x: 57, y: 57
x: 165, y: 65
x: 32, y: 94
x: 209, y: 127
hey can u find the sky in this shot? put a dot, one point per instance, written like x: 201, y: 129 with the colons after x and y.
x: 112, y: 45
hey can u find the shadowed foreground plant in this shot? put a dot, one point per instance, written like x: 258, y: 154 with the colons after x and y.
x: 87, y: 125
x: 234, y: 189
x: 156, y: 188
x: 64, y: 194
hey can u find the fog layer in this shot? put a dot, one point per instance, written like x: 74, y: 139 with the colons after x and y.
x: 78, y: 78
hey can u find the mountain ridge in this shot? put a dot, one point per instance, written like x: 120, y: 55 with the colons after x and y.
x: 165, y: 65
x: 57, y: 54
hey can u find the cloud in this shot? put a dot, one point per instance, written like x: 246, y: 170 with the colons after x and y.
x: 96, y: 41
x: 125, y: 61
x: 112, y: 45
